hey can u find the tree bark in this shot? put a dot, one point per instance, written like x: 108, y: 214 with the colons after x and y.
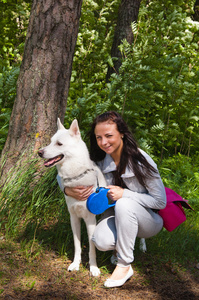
x: 128, y: 13
x: 196, y: 11
x: 44, y: 79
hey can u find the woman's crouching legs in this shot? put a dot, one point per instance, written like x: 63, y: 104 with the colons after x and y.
x: 132, y: 220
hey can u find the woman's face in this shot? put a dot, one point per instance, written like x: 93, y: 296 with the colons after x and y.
x: 109, y: 139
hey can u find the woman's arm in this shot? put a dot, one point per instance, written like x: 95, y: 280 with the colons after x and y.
x: 79, y: 192
x: 156, y: 196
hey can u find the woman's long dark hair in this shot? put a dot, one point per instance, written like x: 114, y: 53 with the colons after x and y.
x: 130, y: 155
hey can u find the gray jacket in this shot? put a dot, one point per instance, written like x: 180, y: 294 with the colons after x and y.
x: 153, y: 196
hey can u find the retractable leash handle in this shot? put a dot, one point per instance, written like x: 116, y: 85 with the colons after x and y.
x: 98, y: 202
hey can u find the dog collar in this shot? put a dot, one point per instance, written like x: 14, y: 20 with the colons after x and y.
x: 69, y: 179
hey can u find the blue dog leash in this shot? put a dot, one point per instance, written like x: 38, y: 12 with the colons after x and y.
x: 98, y: 201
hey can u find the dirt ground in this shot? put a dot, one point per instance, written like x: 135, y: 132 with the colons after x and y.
x: 46, y: 277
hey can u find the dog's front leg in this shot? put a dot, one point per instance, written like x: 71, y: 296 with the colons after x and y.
x: 91, y: 224
x: 75, y: 225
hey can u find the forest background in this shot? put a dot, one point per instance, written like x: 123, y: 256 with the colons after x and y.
x: 156, y: 91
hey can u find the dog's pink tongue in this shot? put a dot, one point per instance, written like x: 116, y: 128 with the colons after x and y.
x: 52, y: 161
x: 49, y: 162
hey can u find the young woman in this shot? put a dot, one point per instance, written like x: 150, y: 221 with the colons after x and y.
x: 134, y: 183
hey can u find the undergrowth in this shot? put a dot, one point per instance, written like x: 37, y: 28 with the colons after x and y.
x: 33, y: 212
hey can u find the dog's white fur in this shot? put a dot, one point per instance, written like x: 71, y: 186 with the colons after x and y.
x: 76, y: 168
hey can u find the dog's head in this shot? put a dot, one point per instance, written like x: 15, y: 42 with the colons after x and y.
x: 63, y: 144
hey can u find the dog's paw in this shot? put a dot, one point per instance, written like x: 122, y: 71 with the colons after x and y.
x: 73, y: 267
x: 94, y: 271
x: 143, y: 245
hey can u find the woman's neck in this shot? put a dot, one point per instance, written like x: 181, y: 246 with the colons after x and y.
x: 116, y: 157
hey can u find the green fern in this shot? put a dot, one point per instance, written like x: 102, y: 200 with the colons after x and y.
x: 8, y: 80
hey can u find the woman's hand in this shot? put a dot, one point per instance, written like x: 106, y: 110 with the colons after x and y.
x: 115, y: 192
x: 79, y: 192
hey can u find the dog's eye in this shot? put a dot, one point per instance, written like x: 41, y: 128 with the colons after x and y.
x: 59, y: 144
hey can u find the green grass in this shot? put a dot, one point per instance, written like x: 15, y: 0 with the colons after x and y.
x: 33, y: 211
x: 180, y: 245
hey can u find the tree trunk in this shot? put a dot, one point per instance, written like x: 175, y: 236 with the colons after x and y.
x: 196, y: 11
x: 128, y: 13
x: 44, y: 79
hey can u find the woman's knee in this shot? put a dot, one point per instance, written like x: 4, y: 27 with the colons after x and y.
x: 98, y: 241
x: 104, y: 236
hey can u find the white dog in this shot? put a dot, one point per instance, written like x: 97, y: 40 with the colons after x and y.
x: 70, y: 155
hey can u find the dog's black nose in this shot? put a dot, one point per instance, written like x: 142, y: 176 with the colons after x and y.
x: 40, y: 153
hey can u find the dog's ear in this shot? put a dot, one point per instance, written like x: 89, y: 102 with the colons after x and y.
x: 59, y: 125
x: 74, y: 128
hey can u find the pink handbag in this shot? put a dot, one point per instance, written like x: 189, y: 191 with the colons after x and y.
x: 173, y: 214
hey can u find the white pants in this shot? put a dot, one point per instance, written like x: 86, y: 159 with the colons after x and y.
x: 119, y: 227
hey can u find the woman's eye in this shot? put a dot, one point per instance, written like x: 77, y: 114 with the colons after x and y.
x: 59, y: 144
